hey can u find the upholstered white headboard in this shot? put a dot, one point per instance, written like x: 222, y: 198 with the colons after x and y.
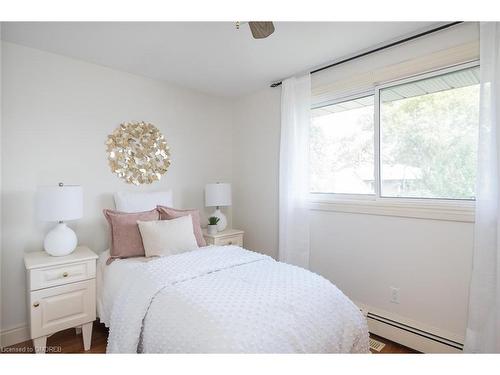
x: 143, y: 201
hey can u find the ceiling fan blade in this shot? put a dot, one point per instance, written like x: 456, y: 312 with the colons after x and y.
x: 261, y: 30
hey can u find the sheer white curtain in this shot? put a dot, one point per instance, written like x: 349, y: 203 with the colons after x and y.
x: 294, y: 171
x: 483, y: 327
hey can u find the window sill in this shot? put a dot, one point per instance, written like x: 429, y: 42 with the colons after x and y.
x: 436, y: 210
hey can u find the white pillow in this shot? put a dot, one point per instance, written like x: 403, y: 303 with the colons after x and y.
x: 140, y: 202
x: 167, y: 237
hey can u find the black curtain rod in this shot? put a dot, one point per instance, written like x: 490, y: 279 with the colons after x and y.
x: 276, y: 84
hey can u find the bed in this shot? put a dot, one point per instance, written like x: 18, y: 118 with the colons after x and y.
x: 224, y: 299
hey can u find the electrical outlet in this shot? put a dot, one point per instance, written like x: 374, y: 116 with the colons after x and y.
x: 394, y: 295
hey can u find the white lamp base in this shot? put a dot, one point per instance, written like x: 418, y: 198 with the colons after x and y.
x: 222, y: 224
x: 60, y: 241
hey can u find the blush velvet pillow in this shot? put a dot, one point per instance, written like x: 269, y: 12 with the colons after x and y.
x: 126, y: 238
x: 167, y: 237
x: 168, y: 213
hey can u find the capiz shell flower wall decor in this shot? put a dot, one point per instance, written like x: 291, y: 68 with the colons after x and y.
x: 138, y: 153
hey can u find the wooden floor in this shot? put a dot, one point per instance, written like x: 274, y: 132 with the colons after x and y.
x: 69, y: 342
x: 391, y: 347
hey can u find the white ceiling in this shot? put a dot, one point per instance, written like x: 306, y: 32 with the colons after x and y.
x: 212, y: 57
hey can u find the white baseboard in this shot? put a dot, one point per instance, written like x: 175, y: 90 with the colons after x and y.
x: 411, y: 333
x: 409, y: 339
x: 14, y: 335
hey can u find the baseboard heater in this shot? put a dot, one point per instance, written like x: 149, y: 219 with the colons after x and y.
x: 411, y: 337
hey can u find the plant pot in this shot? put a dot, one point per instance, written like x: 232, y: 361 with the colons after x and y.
x: 212, y: 229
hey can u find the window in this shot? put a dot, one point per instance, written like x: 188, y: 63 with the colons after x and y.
x: 428, y: 137
x: 417, y: 141
x: 342, y: 148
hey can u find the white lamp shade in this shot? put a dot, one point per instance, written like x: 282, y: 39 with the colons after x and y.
x: 59, y: 203
x: 217, y: 195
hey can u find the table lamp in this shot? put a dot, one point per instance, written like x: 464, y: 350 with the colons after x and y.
x: 59, y: 204
x: 218, y: 195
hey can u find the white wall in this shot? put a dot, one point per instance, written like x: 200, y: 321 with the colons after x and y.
x: 256, y: 133
x: 429, y: 260
x: 57, y: 114
x: 1, y: 290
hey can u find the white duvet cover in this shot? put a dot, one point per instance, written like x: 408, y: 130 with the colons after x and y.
x: 225, y: 300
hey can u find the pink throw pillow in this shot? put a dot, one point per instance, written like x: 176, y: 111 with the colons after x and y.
x: 168, y: 213
x: 126, y: 240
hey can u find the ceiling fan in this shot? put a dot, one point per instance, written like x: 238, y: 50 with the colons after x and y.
x: 260, y: 29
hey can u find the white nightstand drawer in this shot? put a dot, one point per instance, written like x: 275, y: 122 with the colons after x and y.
x: 233, y: 240
x: 62, y: 307
x: 61, y: 274
x: 224, y: 238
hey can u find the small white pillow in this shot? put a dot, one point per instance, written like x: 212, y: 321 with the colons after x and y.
x: 167, y: 237
x: 140, y: 202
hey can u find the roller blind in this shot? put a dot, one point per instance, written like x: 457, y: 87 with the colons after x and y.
x: 455, y: 45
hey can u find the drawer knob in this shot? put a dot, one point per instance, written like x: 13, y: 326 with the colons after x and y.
x: 65, y: 274
x: 36, y: 304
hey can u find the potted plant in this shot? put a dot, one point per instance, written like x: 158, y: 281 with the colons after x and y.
x: 212, y: 224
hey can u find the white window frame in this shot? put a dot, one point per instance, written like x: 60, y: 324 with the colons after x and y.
x: 462, y: 210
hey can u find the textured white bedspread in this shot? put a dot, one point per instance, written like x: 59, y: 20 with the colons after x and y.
x: 230, y: 300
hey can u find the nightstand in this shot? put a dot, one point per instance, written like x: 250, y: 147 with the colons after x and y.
x: 226, y: 237
x: 61, y: 294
